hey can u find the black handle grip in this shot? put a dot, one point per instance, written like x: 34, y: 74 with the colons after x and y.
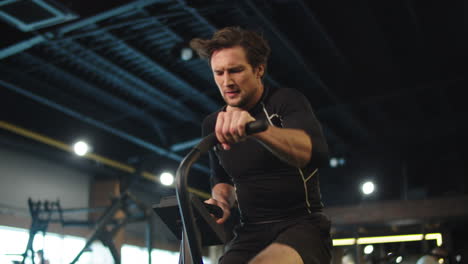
x: 251, y: 128
x: 215, y: 210
x: 183, y: 197
x: 256, y: 127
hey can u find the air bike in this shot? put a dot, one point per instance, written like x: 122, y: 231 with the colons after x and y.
x: 192, y: 219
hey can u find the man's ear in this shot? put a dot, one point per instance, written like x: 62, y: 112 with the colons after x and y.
x: 260, y: 71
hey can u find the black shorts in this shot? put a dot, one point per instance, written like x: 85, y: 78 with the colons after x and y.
x: 309, y: 236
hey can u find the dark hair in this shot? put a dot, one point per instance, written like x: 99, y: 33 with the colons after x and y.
x: 256, y: 47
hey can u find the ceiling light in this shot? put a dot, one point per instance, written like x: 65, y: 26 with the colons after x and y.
x: 344, y: 241
x: 182, y: 51
x: 186, y: 53
x: 399, y: 259
x: 436, y: 236
x: 368, y: 249
x: 388, y: 239
x: 166, y: 178
x: 368, y: 187
x: 81, y: 148
x: 333, y: 162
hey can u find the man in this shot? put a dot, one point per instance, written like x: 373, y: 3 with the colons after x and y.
x: 272, y: 176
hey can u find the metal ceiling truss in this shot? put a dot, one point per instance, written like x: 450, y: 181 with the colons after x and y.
x: 162, y: 46
x: 23, y: 45
x: 50, y: 14
x: 139, y: 62
x: 133, y: 63
x: 86, y: 119
x: 20, y: 46
x: 136, y: 5
x: 67, y: 80
x: 206, y: 28
x: 91, y: 62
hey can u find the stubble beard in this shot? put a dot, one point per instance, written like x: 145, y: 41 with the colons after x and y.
x: 241, y: 103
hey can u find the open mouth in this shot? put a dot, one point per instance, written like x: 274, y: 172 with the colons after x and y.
x: 232, y: 93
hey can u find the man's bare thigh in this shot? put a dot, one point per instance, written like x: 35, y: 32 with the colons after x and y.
x: 277, y: 253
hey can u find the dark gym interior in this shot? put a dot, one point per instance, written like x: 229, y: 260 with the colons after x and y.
x: 385, y: 79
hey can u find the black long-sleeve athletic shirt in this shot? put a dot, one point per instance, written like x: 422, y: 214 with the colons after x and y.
x: 267, y: 188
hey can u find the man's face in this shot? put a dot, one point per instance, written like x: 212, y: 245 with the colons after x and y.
x: 240, y: 85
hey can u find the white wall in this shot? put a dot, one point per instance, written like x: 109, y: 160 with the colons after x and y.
x: 24, y: 175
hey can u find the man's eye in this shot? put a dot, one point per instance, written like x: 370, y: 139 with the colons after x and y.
x: 236, y: 70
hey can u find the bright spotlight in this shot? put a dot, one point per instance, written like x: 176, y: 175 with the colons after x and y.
x: 333, y: 162
x: 81, y: 148
x: 166, y: 178
x: 399, y: 259
x: 186, y: 53
x: 368, y: 249
x: 368, y: 188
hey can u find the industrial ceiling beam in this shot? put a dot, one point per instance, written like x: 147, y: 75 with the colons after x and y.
x: 26, y: 44
x: 173, y: 81
x: 86, y: 119
x: 197, y: 15
x: 136, y: 5
x: 121, y: 79
x: 88, y: 89
x: 20, y: 46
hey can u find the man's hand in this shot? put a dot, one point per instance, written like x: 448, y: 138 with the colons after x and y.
x: 230, y: 127
x: 225, y: 207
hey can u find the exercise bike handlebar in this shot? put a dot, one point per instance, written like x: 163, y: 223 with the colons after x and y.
x: 183, y: 198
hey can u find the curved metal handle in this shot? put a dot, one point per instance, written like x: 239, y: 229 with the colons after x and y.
x: 183, y: 196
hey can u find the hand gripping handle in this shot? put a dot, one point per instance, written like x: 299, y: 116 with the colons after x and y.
x: 256, y: 127
x: 251, y: 128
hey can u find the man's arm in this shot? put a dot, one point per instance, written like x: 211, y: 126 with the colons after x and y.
x: 299, y: 142
x: 224, y: 196
x: 222, y: 192
x: 292, y: 146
